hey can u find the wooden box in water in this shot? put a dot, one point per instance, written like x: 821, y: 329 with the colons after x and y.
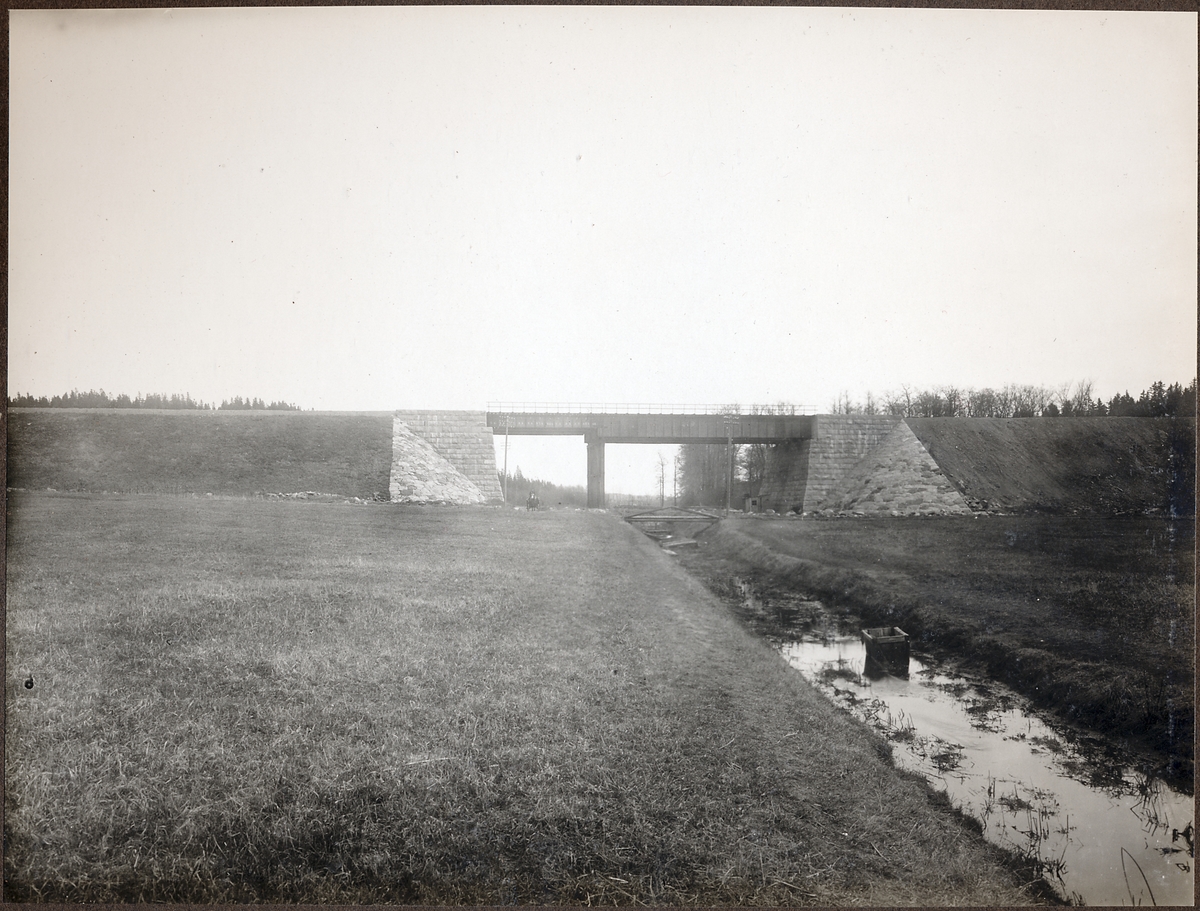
x: 887, y: 647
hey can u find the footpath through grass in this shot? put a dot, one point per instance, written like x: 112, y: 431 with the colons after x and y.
x: 287, y: 701
x: 1091, y: 616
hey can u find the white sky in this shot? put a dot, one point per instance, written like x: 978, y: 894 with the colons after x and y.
x: 374, y: 208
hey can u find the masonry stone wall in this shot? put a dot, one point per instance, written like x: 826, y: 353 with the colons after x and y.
x: 420, y: 474
x: 840, y: 441
x: 464, y: 440
x: 785, y: 476
x: 803, y: 474
x: 899, y: 478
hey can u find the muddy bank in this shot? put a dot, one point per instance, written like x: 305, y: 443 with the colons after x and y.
x: 1121, y: 671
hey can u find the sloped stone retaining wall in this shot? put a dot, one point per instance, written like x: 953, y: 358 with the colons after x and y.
x: 898, y: 477
x: 803, y: 474
x: 838, y: 445
x: 444, y: 457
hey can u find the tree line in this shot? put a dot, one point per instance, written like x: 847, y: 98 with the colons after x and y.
x: 555, y: 496
x: 517, y: 488
x: 702, y: 468
x: 1024, y: 401
x: 100, y: 399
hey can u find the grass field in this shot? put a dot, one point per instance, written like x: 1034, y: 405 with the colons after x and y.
x: 1093, y: 617
x: 253, y: 700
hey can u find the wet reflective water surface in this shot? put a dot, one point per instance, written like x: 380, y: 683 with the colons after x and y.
x: 1101, y: 832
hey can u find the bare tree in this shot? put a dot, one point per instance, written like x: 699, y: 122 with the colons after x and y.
x: 899, y: 403
x: 955, y: 400
x: 841, y: 404
x: 1081, y: 399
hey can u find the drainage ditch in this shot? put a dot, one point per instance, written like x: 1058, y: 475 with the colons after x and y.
x: 1082, y: 811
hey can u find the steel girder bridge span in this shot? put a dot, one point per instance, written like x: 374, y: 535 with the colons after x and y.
x: 645, y: 424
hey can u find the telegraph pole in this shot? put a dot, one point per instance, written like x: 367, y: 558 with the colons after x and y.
x: 729, y: 464
x: 505, y: 491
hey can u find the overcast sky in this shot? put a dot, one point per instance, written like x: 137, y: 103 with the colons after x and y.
x: 377, y: 208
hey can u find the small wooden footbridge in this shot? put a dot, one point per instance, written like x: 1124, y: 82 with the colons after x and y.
x: 668, y: 525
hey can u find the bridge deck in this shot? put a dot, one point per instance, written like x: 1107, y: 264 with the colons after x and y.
x: 657, y: 428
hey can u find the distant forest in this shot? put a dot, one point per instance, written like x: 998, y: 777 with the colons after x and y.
x: 519, y: 487
x: 555, y: 496
x: 101, y: 399
x: 1024, y: 401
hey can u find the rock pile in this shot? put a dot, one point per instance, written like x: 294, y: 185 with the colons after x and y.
x: 303, y: 495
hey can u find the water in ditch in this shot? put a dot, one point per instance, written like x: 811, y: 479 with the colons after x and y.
x: 1101, y: 832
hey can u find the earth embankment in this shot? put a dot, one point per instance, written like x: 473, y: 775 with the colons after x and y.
x: 1066, y: 465
x: 239, y: 453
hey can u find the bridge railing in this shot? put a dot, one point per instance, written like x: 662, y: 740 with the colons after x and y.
x: 639, y: 408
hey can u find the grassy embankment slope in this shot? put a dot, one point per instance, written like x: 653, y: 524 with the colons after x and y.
x: 223, y: 452
x: 1093, y: 617
x: 271, y: 700
x: 1066, y: 465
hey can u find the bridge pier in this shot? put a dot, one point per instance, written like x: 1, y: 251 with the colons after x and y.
x: 595, y: 471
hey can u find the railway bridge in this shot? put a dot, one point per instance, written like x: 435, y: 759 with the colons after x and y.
x: 600, y: 424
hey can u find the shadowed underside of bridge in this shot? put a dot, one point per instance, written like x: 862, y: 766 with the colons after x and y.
x: 599, y: 428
